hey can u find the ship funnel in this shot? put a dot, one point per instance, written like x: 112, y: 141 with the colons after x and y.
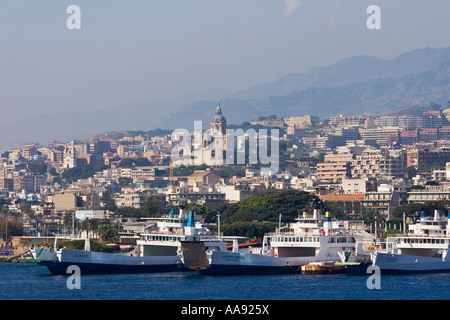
x: 181, y: 214
x: 448, y: 223
x: 436, y: 215
x: 189, y: 230
x: 328, y: 224
x: 172, y: 213
x: 422, y: 216
x: 191, y: 220
x: 316, y: 214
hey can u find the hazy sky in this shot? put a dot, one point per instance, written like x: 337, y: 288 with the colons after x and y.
x: 136, y: 51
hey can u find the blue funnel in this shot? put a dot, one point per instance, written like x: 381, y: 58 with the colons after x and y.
x: 172, y: 212
x: 191, y: 220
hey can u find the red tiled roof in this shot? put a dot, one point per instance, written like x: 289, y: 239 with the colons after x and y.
x: 342, y: 197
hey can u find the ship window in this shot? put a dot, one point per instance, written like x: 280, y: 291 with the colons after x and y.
x: 331, y: 240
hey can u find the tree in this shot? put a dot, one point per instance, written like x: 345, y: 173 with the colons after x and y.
x: 126, y: 163
x: 334, y: 208
x: 268, y: 206
x: 411, y: 210
x: 411, y: 171
x: 107, y: 232
x: 108, y: 201
x: 89, y: 225
x: 152, y: 207
x: 141, y: 162
x: 128, y: 212
x: 10, y: 227
x: 371, y: 215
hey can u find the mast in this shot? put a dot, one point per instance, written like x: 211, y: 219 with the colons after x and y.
x: 73, y: 225
x: 218, y: 224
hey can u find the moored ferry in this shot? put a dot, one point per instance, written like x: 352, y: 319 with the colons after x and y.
x: 157, y: 250
x: 310, y: 239
x: 424, y: 250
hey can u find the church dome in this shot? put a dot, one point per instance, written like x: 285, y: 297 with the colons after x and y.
x: 218, y: 117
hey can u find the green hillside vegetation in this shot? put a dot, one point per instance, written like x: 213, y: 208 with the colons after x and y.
x: 268, y: 206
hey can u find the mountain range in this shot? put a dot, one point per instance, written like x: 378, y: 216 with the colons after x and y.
x: 355, y: 85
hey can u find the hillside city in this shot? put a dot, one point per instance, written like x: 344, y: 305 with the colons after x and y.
x: 354, y: 164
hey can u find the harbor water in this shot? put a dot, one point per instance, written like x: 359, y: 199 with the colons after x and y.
x: 29, y: 281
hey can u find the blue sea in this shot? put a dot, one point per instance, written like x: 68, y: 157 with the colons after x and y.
x: 29, y: 281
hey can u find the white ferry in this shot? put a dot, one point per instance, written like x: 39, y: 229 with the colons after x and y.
x: 310, y: 239
x: 424, y: 250
x: 157, y: 250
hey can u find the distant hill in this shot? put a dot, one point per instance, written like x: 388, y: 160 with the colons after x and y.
x: 349, y: 71
x: 355, y: 85
x: 375, y: 96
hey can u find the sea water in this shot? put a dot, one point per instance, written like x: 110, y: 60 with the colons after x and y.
x: 29, y: 281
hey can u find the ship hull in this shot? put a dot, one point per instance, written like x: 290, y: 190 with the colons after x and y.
x: 98, y: 262
x: 406, y: 264
x: 57, y: 267
x: 391, y: 264
x: 228, y: 263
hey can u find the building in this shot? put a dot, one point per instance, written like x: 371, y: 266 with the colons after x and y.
x: 133, y: 200
x: 301, y: 121
x: 203, y: 198
x: 367, y: 164
x: 379, y: 136
x: 430, y: 193
x: 438, y: 156
x: 384, y: 200
x: 315, y: 142
x: 351, y: 185
x: 408, y: 137
x: 412, y: 121
x: 203, y: 178
x: 351, y: 203
x: 347, y: 121
x: 342, y: 136
x: 70, y: 156
x: 73, y: 200
x: 393, y: 164
x: 234, y: 194
x: 428, y: 134
x: 335, y: 167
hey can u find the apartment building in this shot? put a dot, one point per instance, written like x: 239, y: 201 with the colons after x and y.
x: 335, y: 167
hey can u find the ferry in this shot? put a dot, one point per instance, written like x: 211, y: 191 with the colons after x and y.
x: 310, y: 239
x: 157, y: 250
x: 424, y: 250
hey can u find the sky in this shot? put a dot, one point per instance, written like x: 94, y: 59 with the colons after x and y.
x: 145, y: 50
